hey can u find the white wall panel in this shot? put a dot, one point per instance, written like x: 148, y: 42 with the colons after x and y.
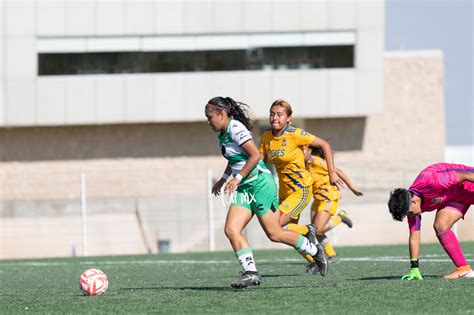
x: 80, y: 18
x: 228, y: 16
x: 20, y: 18
x: 169, y: 97
x: 258, y: 92
x: 110, y: 17
x: 198, y: 16
x: 169, y: 17
x: 369, y: 50
x: 342, y: 14
x: 110, y: 99
x: 139, y: 98
x: 139, y: 17
x: 227, y: 84
x: 314, y: 96
x: 80, y: 100
x: 314, y: 15
x: 2, y: 56
x: 197, y: 91
x: 51, y: 18
x: 20, y: 102
x: 282, y: 10
x: 286, y: 85
x: 3, y: 15
x: 371, y: 14
x: 20, y: 58
x: 51, y: 101
x: 370, y: 87
x: 257, y: 16
x: 342, y: 97
x: 2, y: 102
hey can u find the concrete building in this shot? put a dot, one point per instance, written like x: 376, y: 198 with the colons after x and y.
x: 116, y: 90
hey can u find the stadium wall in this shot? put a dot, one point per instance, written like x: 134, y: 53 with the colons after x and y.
x: 156, y: 174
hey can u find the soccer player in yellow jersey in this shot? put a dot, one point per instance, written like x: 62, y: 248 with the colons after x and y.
x: 326, y: 199
x: 283, y: 145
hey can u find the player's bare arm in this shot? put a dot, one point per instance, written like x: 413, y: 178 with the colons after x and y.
x: 348, y: 182
x: 414, y: 244
x: 326, y: 147
x: 465, y: 176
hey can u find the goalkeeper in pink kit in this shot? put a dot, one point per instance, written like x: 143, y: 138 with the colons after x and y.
x: 448, y: 189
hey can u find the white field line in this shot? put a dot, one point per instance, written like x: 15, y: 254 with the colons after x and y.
x: 404, y: 259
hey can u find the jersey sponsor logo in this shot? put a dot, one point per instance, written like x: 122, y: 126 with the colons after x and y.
x: 303, y: 133
x: 277, y: 152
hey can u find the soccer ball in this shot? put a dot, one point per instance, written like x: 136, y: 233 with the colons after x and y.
x: 93, y: 282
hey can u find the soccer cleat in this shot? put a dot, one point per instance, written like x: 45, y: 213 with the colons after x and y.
x: 312, y: 269
x: 345, y: 218
x: 333, y: 259
x: 311, y: 235
x: 248, y: 278
x: 321, y: 260
x: 461, y: 272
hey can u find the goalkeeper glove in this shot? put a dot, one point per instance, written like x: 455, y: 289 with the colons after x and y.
x: 413, y: 275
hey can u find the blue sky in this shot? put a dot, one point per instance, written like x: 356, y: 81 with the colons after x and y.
x: 447, y: 25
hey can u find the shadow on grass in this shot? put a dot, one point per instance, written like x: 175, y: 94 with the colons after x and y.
x: 391, y: 278
x: 220, y: 288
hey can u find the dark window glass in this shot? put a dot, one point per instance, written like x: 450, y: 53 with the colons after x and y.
x: 273, y: 58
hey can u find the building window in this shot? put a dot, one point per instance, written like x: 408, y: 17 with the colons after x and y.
x: 263, y: 58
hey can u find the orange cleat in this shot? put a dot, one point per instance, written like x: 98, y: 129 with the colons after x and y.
x: 461, y: 272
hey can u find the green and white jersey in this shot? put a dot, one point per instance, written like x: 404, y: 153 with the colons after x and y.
x: 230, y: 141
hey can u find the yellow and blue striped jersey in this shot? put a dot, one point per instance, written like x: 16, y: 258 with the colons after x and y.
x: 285, y: 151
x: 322, y: 188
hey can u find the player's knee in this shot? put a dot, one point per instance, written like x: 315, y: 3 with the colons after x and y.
x: 231, y: 232
x: 441, y: 227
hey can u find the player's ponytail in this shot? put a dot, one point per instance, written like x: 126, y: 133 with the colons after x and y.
x: 239, y: 111
x: 236, y: 110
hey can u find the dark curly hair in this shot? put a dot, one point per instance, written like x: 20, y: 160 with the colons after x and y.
x: 399, y: 203
x: 318, y: 152
x: 239, y: 111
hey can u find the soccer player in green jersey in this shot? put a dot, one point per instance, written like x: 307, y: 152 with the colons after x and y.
x: 253, y: 188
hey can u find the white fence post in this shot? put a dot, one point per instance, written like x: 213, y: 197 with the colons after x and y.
x: 210, y: 212
x: 84, y: 214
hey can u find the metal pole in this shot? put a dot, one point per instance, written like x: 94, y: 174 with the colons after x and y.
x: 210, y: 212
x: 84, y: 214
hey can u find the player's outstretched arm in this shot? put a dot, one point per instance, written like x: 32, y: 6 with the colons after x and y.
x: 414, y: 246
x: 326, y: 147
x: 348, y: 182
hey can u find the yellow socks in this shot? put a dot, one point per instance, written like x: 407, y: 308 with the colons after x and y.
x: 329, y: 250
x: 335, y: 221
x: 298, y: 228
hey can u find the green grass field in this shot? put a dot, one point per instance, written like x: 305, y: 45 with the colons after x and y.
x: 366, y: 280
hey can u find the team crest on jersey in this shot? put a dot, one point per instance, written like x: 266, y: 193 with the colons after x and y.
x: 437, y: 200
x: 283, y: 142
